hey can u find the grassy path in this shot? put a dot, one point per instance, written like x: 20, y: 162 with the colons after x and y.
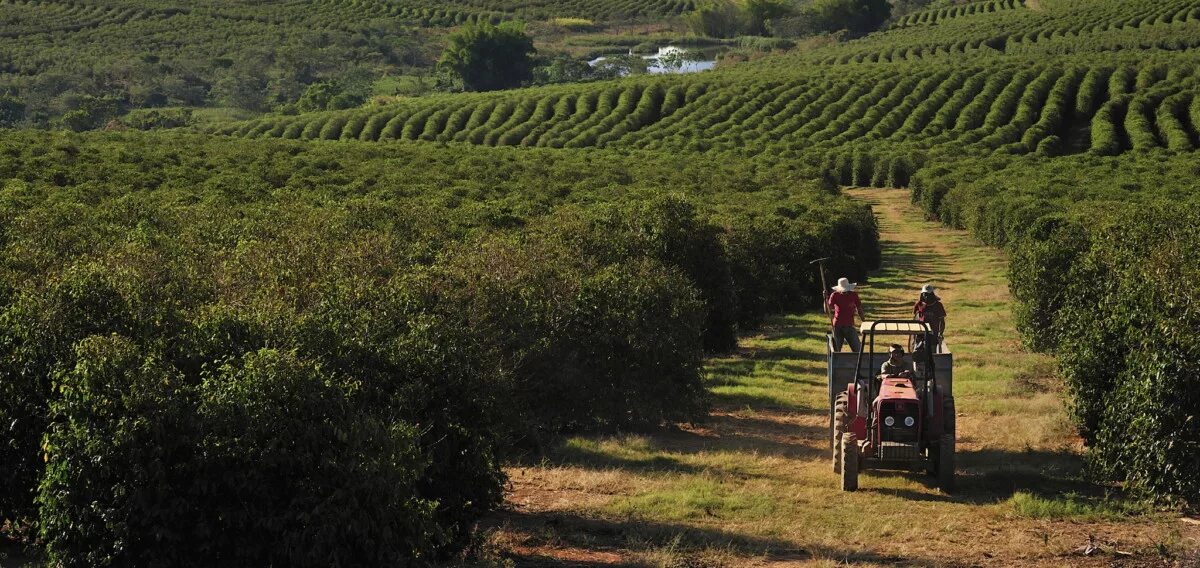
x: 753, y: 485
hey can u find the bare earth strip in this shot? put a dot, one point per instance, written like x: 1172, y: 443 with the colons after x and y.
x: 753, y: 485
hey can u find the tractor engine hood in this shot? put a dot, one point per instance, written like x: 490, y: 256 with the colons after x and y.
x: 897, y: 390
x: 898, y: 419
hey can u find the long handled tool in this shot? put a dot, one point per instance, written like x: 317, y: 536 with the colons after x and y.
x: 824, y: 287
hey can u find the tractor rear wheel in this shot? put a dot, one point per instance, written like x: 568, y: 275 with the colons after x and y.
x: 945, y: 463
x: 945, y: 453
x: 949, y: 422
x: 948, y: 428
x: 841, y: 424
x: 849, y: 451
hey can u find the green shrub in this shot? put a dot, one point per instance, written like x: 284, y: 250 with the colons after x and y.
x: 1141, y: 432
x: 146, y: 119
x: 1087, y: 278
x: 268, y: 460
x: 41, y: 326
x: 863, y: 166
x: 557, y: 324
x: 1038, y: 263
x: 363, y: 288
x: 118, y: 458
x: 670, y: 231
x: 294, y: 473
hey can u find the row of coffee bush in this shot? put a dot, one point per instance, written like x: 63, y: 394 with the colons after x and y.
x: 1103, y: 264
x: 273, y: 353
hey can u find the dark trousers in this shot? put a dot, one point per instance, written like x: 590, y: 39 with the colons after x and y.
x: 846, y: 334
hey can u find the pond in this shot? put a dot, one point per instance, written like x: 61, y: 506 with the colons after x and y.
x: 669, y: 59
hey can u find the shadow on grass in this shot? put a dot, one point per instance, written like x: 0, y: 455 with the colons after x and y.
x: 758, y: 403
x: 996, y: 474
x: 752, y: 414
x: 749, y: 378
x: 906, y: 268
x: 991, y: 476
x: 737, y: 434
x: 747, y: 434
x: 680, y: 544
x: 567, y: 454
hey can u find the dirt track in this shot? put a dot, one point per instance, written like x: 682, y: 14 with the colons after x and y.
x: 753, y: 485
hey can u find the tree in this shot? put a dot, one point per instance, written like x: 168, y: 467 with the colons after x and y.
x: 241, y: 90
x: 317, y: 96
x: 564, y: 69
x: 721, y: 19
x: 485, y: 57
x: 760, y: 12
x: 12, y: 110
x: 726, y: 19
x: 859, y: 16
x: 90, y: 112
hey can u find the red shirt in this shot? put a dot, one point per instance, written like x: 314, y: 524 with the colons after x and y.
x: 929, y: 312
x: 844, y: 306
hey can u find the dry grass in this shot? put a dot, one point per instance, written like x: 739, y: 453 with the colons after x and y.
x: 753, y: 485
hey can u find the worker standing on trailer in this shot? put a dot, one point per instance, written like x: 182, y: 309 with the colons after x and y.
x: 843, y: 304
x: 929, y: 309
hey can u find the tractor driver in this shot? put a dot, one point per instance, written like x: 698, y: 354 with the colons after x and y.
x: 894, y: 366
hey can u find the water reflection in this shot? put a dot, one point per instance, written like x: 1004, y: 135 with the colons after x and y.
x: 669, y: 59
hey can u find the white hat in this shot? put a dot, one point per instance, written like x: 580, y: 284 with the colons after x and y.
x: 927, y: 288
x: 844, y: 285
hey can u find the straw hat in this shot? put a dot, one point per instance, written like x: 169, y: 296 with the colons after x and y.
x: 844, y: 285
x: 928, y: 288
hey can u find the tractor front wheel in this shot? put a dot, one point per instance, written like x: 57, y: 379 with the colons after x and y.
x: 841, y: 424
x: 849, y: 451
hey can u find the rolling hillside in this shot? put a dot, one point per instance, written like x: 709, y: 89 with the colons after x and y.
x: 1064, y: 87
x: 577, y: 324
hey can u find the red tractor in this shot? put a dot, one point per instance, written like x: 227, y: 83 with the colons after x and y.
x: 900, y: 417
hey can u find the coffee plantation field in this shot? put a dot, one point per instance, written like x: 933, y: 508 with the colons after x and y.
x: 1034, y: 85
x: 579, y: 323
x: 872, y: 127
x: 431, y: 310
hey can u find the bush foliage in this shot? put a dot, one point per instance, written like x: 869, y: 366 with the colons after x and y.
x: 299, y: 349
x: 1104, y: 290
x: 318, y: 354
x: 483, y: 57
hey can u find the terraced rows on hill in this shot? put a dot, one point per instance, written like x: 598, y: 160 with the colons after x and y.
x: 941, y: 15
x: 596, y: 9
x: 42, y: 17
x: 206, y: 38
x: 26, y: 17
x: 38, y: 17
x: 1065, y: 106
x: 1060, y: 27
x: 450, y: 12
x: 991, y: 76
